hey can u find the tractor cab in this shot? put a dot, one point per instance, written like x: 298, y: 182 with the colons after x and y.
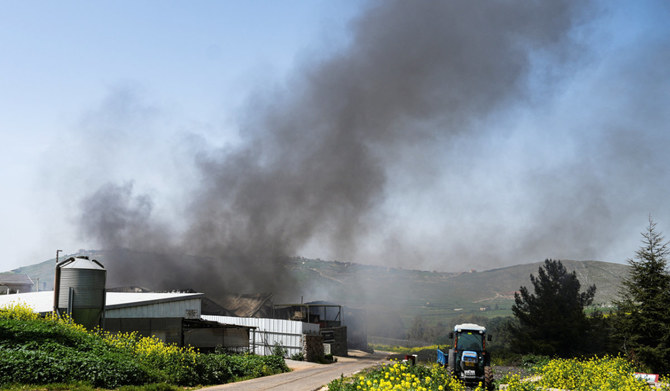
x: 468, y: 359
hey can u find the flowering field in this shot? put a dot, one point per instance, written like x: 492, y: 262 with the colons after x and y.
x: 595, y: 374
x: 400, y: 376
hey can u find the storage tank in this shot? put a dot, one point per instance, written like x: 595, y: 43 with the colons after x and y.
x: 79, y: 290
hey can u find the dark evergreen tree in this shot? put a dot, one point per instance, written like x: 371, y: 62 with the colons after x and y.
x: 551, y: 320
x: 643, y: 315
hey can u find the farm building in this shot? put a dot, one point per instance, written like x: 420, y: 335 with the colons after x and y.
x: 297, y: 327
x: 294, y: 336
x: 335, y: 331
x: 172, y: 317
x: 235, y: 322
x: 15, y: 283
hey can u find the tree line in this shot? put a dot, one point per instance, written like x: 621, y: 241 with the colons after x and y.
x: 552, y: 321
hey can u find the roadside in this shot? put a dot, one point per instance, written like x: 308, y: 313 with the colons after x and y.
x: 308, y: 376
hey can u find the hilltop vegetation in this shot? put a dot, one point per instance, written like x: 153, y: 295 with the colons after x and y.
x: 394, y: 298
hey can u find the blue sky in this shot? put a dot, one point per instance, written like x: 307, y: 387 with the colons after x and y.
x: 62, y: 60
x: 567, y: 164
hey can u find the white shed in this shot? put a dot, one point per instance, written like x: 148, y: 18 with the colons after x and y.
x: 287, y: 333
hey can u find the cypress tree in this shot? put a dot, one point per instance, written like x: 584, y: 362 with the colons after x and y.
x: 643, y: 310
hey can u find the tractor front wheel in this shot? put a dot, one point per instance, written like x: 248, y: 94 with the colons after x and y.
x: 488, y: 378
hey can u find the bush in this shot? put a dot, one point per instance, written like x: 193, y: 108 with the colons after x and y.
x: 279, y: 350
x: 298, y: 356
x: 48, y: 350
x: 41, y: 351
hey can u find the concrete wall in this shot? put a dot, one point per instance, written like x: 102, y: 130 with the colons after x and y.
x: 337, y: 338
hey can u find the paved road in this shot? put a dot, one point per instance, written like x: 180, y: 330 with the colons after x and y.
x: 306, y: 376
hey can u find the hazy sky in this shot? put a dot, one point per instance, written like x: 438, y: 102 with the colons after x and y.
x: 435, y: 137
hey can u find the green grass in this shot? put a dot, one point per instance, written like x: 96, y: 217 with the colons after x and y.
x: 402, y: 349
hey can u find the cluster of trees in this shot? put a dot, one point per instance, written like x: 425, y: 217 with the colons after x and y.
x: 551, y: 320
x: 550, y: 317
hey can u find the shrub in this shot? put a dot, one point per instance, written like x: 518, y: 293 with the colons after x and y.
x: 298, y: 356
x: 39, y: 351
x: 48, y: 350
x: 279, y: 350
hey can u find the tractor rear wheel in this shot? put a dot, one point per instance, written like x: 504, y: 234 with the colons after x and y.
x: 451, y: 360
x: 488, y: 378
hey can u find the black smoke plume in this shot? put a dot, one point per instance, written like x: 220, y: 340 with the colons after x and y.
x: 409, y: 102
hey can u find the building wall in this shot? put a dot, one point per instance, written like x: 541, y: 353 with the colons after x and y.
x: 287, y: 333
x: 230, y: 338
x: 337, y: 338
x: 8, y: 288
x: 189, y: 309
x: 168, y: 330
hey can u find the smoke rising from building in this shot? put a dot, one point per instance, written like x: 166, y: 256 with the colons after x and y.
x: 444, y: 133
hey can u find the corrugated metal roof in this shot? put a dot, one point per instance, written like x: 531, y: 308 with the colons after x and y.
x: 43, y: 301
x: 39, y: 301
x: 120, y: 299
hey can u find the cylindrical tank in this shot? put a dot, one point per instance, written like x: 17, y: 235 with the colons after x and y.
x: 80, y: 290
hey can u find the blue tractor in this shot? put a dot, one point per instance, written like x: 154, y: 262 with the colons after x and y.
x: 468, y: 359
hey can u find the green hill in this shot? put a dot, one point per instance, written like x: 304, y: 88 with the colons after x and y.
x: 393, y: 297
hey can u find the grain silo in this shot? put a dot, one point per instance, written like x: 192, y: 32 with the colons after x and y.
x: 79, y: 290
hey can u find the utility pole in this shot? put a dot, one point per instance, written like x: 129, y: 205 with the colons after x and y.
x: 56, y: 282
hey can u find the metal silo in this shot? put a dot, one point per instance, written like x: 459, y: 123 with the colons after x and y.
x: 79, y: 290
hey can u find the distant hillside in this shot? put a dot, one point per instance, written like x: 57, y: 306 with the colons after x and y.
x: 392, y: 297
x: 443, y: 295
x: 44, y: 271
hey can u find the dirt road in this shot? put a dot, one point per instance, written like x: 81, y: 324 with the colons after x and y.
x: 307, y: 376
